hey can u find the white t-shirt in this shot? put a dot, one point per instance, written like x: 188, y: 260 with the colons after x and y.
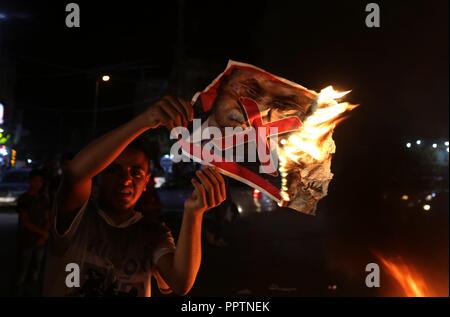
x: 114, y: 260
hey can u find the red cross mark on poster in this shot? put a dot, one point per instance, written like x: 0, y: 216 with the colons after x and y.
x: 263, y: 130
x: 237, y: 170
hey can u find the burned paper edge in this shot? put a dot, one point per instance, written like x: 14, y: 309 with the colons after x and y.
x: 232, y: 63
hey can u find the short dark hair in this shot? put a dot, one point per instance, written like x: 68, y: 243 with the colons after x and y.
x: 139, y: 144
x: 35, y: 173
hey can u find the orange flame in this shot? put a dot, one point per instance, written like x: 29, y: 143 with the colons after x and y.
x: 313, y: 143
x: 310, y: 139
x: 411, y: 282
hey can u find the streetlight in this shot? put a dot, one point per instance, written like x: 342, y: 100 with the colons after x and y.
x: 105, y: 78
x: 3, y: 151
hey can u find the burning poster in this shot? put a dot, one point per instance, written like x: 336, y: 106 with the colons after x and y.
x: 267, y: 132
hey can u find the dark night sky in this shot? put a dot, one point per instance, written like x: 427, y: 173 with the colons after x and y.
x: 398, y: 73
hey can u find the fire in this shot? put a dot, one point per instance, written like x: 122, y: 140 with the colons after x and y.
x: 310, y: 139
x: 412, y: 283
x: 313, y: 143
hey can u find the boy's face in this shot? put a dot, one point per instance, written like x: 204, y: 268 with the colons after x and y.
x: 124, y: 180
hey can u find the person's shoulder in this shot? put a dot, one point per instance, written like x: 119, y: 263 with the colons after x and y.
x: 92, y: 210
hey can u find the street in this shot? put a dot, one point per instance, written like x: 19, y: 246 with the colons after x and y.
x: 274, y: 251
x: 8, y: 227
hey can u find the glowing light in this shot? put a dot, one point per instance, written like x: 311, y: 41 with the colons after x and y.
x: 256, y: 194
x: 429, y: 197
x: 3, y: 151
x: 2, y: 110
x: 418, y: 142
x: 426, y: 207
x: 411, y: 282
x: 29, y: 161
x: 239, y: 209
x: 106, y: 78
x: 408, y: 145
x: 405, y: 197
x: 159, y: 181
x: 313, y: 143
x: 446, y: 143
x: 283, y: 141
x: 434, y: 145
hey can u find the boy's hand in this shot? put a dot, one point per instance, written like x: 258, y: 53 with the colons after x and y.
x: 208, y: 193
x: 170, y: 111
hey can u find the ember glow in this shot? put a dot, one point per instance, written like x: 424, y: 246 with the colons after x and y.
x: 412, y: 283
x: 313, y: 143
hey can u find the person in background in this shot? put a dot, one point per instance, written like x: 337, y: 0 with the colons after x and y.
x: 33, y: 233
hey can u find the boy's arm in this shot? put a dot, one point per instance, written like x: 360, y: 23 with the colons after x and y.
x: 76, y: 183
x: 180, y: 269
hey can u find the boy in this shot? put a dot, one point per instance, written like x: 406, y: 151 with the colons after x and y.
x: 116, y: 249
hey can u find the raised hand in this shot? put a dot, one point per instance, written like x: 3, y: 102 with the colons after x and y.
x: 171, y: 112
x: 209, y: 191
